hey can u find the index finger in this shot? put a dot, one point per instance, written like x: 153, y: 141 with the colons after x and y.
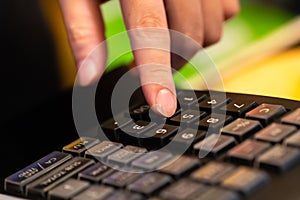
x: 151, y: 48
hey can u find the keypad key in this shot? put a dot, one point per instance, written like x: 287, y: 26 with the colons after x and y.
x: 95, y: 173
x: 241, y: 128
x: 121, y: 178
x: 238, y: 108
x: 293, y: 140
x: 181, y: 166
x: 217, y: 194
x: 188, y: 137
x: 126, y: 155
x: 16, y: 182
x: 214, y: 102
x: 140, y: 113
x: 111, y: 127
x: 246, y: 180
x: 292, y: 118
x: 79, y: 146
x: 68, y: 189
x: 95, y: 192
x: 40, y: 187
x: 160, y: 135
x: 133, y: 133
x: 102, y: 150
x: 187, y: 117
x: 188, y: 98
x: 149, y: 183
x: 214, y: 121
x: 182, y: 190
x: 125, y: 195
x: 213, y: 172
x: 246, y: 152
x: 152, y: 160
x: 279, y: 158
x: 214, y: 145
x: 266, y: 113
x: 275, y: 132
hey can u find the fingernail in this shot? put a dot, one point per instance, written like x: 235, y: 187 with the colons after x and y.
x: 165, y: 102
x: 87, y: 72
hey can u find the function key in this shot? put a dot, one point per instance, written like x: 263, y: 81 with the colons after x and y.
x: 275, y: 132
x: 99, y: 192
x: 152, y: 160
x: 79, y: 146
x: 213, y: 172
x: 68, y: 189
x: 95, y: 173
x: 246, y: 152
x: 238, y: 108
x: 213, y: 103
x: 182, y: 190
x: 292, y: 118
x: 102, y: 150
x: 214, y: 145
x: 189, y: 98
x: 15, y: 183
x: 187, y: 117
x: 293, y: 140
x: 246, y: 180
x: 279, y: 158
x: 266, y: 113
x: 149, y: 183
x: 181, y: 166
x: 241, y: 128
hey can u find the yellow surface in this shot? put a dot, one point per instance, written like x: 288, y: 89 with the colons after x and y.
x: 278, y: 75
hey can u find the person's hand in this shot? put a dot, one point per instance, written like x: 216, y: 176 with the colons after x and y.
x: 202, y: 20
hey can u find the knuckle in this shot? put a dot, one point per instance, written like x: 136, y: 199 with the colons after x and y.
x: 213, y: 35
x: 151, y: 20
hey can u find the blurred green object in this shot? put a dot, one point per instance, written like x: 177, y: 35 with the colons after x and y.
x: 256, y: 20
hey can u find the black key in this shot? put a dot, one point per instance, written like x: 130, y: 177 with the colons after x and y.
x: 126, y: 155
x: 182, y: 190
x: 102, y: 150
x: 217, y: 194
x: 180, y: 167
x: 67, y: 189
x: 133, y: 133
x: 245, y: 180
x: 140, y: 113
x: 160, y: 135
x: 16, y: 182
x: 121, y: 178
x: 275, y: 132
x: 279, y: 158
x: 214, y: 145
x: 292, y: 118
x: 125, y: 195
x: 95, y: 173
x: 214, y: 121
x: 238, y: 108
x: 246, y: 152
x: 293, y: 140
x: 213, y: 172
x: 111, y: 127
x: 187, y: 117
x: 241, y: 128
x: 150, y: 183
x: 152, y: 160
x: 213, y: 103
x: 95, y: 192
x: 40, y: 187
x: 266, y: 113
x: 188, y: 137
x: 79, y: 146
x: 188, y: 98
